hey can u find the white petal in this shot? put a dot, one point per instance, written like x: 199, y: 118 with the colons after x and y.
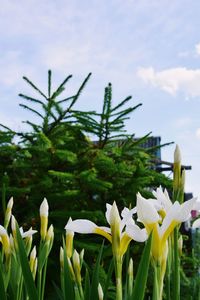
x: 127, y: 213
x: 106, y: 229
x: 81, y: 226
x: 196, y: 205
x: 163, y: 198
x: 127, y: 216
x: 185, y: 210
x: 2, y: 230
x: 68, y: 223
x: 28, y: 233
x: 114, y: 215
x: 21, y: 230
x: 44, y: 208
x: 196, y: 224
x: 100, y: 292
x: 146, y: 211
x: 13, y: 223
x: 136, y: 233
x: 33, y: 253
x: 172, y: 215
x: 10, y: 203
x: 108, y: 210
x: 130, y: 222
x: 177, y: 155
x: 157, y: 204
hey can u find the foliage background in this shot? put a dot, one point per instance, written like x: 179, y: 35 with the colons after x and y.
x: 78, y: 160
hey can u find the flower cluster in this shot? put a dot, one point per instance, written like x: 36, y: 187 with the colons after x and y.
x: 159, y: 216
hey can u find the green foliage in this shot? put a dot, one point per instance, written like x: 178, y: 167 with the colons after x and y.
x: 58, y: 160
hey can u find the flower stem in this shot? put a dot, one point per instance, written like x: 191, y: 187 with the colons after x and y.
x: 176, y: 286
x: 158, y: 281
x: 118, y: 274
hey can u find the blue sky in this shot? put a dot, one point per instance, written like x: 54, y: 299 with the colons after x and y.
x: 147, y: 49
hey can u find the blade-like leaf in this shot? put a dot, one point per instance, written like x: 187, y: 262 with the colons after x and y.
x: 2, y: 287
x: 95, y: 276
x: 58, y: 292
x: 108, y: 279
x: 27, y: 275
x: 68, y: 284
x: 142, y: 273
x: 87, y: 285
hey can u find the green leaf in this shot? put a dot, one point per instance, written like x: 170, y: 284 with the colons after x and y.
x: 87, y: 285
x: 108, y: 279
x: 68, y: 291
x: 58, y: 292
x: 27, y: 275
x: 95, y: 276
x: 2, y: 286
x: 43, y: 256
x: 142, y: 273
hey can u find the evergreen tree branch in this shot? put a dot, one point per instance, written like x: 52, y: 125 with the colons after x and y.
x: 49, y: 83
x: 31, y: 99
x: 121, y: 103
x: 36, y: 128
x: 79, y: 92
x: 68, y: 110
x: 7, y: 128
x: 35, y: 88
x: 32, y: 110
x: 66, y: 99
x: 60, y: 89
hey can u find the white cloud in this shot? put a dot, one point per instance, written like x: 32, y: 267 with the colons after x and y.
x: 173, y: 80
x: 180, y: 123
x: 198, y: 133
x: 184, y: 54
x: 197, y: 48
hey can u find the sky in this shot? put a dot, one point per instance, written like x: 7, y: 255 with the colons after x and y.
x: 147, y: 49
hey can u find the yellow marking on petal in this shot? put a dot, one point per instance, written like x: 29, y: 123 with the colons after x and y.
x: 43, y: 226
x: 149, y: 227
x: 103, y: 233
x: 162, y: 213
x: 69, y: 243
x: 169, y: 230
x: 156, y: 246
x: 6, y: 243
x: 124, y: 243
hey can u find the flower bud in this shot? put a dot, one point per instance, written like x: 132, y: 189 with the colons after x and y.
x: 35, y: 268
x: 130, y: 276
x: 8, y: 212
x: 177, y: 184
x: 180, y: 245
x: 13, y: 225
x: 50, y: 234
x: 61, y: 258
x: 44, y: 212
x: 77, y: 266
x: 115, y: 222
x: 177, y: 155
x: 5, y: 240
x: 69, y: 240
x: 100, y: 292
x: 81, y: 256
x: 32, y: 259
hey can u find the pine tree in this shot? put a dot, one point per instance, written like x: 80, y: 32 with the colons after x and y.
x: 57, y: 160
